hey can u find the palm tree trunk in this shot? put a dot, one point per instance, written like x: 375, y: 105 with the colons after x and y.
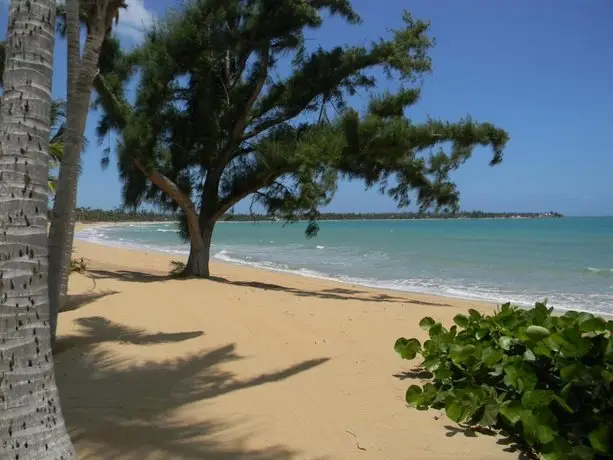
x: 81, y: 73
x: 31, y: 421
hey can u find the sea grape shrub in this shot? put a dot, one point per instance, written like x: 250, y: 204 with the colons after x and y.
x: 542, y: 378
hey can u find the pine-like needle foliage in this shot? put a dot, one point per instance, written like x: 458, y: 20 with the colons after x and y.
x: 214, y: 122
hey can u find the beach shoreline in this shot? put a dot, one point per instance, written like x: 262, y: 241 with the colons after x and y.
x: 465, y: 296
x: 93, y: 254
x: 215, y: 264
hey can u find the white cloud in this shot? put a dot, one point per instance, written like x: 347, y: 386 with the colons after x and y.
x: 133, y: 20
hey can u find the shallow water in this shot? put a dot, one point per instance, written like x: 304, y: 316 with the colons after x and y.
x: 568, y: 260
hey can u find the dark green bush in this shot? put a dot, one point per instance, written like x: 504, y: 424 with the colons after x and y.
x: 542, y: 378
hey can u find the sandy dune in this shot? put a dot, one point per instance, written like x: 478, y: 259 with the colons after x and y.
x: 252, y: 365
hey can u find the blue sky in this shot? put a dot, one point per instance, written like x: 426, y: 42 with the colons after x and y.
x: 543, y: 70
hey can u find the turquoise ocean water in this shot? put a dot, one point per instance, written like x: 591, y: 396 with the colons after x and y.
x: 568, y: 260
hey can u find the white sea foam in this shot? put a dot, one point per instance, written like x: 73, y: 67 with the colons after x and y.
x: 423, y: 286
x: 254, y: 256
x: 103, y: 239
x: 600, y: 270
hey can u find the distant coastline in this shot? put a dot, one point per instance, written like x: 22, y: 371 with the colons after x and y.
x: 89, y: 215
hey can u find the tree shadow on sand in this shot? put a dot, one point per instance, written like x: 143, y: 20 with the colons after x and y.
x: 129, y: 275
x: 76, y: 301
x: 99, y: 330
x: 122, y: 410
x: 331, y: 293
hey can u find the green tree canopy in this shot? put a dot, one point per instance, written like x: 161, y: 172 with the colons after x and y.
x: 213, y: 121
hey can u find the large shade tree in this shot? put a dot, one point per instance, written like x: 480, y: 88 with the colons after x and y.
x: 31, y: 422
x: 214, y: 122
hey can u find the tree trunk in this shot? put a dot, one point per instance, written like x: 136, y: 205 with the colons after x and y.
x: 200, y: 251
x: 200, y: 229
x: 31, y: 422
x: 81, y: 73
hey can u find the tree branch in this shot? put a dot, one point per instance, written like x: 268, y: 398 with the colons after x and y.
x: 212, y: 181
x: 240, y: 68
x: 260, y: 128
x: 239, y: 127
x: 112, y: 101
x: 166, y: 185
x: 247, y: 189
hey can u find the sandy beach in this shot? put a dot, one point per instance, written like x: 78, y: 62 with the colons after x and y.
x: 250, y: 365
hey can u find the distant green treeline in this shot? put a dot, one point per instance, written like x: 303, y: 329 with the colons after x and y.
x: 121, y: 215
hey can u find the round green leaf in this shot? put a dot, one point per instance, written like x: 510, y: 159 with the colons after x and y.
x: 600, y: 439
x: 454, y: 411
x: 559, y: 449
x: 491, y: 356
x: 443, y: 373
x: 545, y: 434
x: 512, y: 411
x: 426, y: 323
x: 505, y: 342
x: 594, y: 324
x: 431, y: 364
x: 435, y: 329
x: 481, y: 333
x: 537, y: 332
x: 407, y: 348
x: 536, y: 398
x: 530, y: 425
x: 467, y: 350
x: 529, y: 355
x: 461, y: 320
x: 413, y: 395
x: 459, y: 354
x: 490, y: 414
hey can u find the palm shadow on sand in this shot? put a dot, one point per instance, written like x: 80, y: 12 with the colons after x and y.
x: 115, y: 409
x: 76, y: 301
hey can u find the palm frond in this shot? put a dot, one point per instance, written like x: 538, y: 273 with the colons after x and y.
x: 52, y: 181
x: 56, y: 150
x: 58, y: 112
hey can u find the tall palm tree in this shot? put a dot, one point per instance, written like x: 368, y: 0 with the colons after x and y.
x: 58, y: 117
x: 56, y: 141
x: 98, y: 19
x: 58, y: 114
x: 31, y: 422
